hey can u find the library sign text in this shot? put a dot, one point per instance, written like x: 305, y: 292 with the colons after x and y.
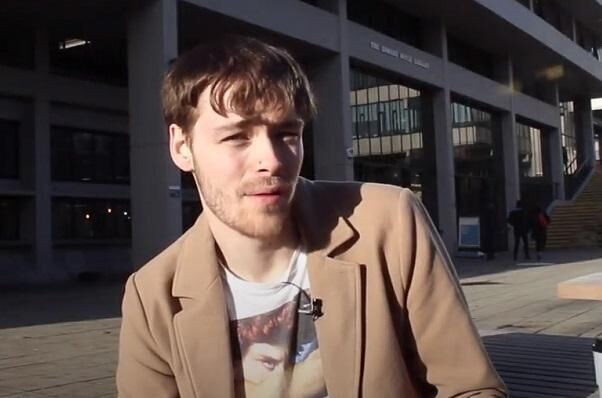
x: 398, y: 54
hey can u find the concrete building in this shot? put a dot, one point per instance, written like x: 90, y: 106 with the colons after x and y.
x: 473, y: 104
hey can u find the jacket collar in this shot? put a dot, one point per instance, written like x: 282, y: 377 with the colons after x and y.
x: 323, y: 225
x: 202, y: 327
x: 323, y: 228
x: 197, y: 265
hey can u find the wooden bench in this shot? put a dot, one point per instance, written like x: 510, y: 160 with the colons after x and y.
x: 587, y: 287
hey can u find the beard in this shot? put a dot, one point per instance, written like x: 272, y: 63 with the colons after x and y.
x: 238, y: 212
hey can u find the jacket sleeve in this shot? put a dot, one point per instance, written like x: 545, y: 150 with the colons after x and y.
x: 449, y: 354
x: 141, y: 371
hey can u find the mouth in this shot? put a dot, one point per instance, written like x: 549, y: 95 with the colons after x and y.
x: 269, y: 195
x: 269, y: 191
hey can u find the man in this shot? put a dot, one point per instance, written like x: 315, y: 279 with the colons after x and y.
x: 286, y: 287
x: 519, y: 221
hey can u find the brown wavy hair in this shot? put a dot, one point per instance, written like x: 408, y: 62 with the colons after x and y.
x: 258, y: 77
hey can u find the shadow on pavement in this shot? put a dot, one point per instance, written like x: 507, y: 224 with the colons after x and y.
x: 481, y: 283
x: 539, y: 365
x: 471, y: 267
x: 28, y: 306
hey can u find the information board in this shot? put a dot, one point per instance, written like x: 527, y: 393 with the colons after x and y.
x: 469, y: 232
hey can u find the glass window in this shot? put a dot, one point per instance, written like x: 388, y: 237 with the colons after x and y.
x: 538, y: 7
x: 388, y: 115
x: 534, y: 188
x: 9, y: 149
x: 90, y: 219
x: 524, y: 2
x: 190, y: 212
x: 324, y: 5
x: 10, y: 216
x: 89, y: 156
x: 100, y: 59
x: 386, y: 128
x: 470, y: 57
x: 568, y: 137
x: 529, y: 151
x: 470, y: 126
x: 16, y: 46
x: 187, y: 180
x: 474, y: 158
x: 597, y: 146
x: 103, y: 165
x: 387, y: 19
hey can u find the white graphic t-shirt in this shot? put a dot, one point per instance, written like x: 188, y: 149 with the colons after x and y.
x: 274, y: 347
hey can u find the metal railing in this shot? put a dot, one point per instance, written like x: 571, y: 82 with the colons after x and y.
x: 572, y: 182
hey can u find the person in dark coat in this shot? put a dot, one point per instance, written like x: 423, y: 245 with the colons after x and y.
x: 539, y: 229
x: 519, y: 221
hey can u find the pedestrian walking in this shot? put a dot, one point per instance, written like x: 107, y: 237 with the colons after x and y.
x: 519, y: 221
x: 539, y: 229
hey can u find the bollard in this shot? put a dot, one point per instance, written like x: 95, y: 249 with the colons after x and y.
x: 597, y: 351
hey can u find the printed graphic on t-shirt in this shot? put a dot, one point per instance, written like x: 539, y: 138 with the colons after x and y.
x: 276, y: 354
x: 274, y: 347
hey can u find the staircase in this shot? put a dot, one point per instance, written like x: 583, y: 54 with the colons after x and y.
x: 579, y: 224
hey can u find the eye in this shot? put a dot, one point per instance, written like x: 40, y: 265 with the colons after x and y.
x: 289, y: 135
x: 268, y: 363
x: 235, y: 138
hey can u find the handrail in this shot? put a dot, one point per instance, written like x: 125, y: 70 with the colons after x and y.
x: 582, y: 166
x: 568, y: 166
x: 574, y: 181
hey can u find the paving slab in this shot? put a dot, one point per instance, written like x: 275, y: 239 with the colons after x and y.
x: 62, y: 341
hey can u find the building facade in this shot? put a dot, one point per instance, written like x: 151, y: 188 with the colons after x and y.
x: 472, y: 104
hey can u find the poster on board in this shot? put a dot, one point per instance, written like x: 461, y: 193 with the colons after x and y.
x: 469, y: 233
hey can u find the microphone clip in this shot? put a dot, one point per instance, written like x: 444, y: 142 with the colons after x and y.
x: 314, y: 308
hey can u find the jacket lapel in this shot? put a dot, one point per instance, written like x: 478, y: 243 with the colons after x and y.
x: 339, y: 329
x: 326, y: 231
x: 202, y: 327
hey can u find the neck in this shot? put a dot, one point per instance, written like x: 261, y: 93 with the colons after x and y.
x: 255, y: 259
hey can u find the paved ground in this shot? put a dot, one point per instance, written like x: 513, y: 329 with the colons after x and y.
x: 507, y: 296
x: 61, y: 341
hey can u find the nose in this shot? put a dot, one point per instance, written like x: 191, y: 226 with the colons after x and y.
x: 267, y: 155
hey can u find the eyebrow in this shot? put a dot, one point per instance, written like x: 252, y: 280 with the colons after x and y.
x: 286, y: 124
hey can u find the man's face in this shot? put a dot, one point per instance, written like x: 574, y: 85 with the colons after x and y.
x: 263, y: 360
x: 247, y: 169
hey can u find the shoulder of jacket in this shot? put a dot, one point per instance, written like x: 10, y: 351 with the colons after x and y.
x: 158, y: 273
x: 370, y: 191
x: 380, y: 205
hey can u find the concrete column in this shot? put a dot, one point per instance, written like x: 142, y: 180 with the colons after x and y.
x: 507, y: 127
x: 438, y: 145
x: 552, y: 144
x: 332, y: 127
x: 505, y: 130
x: 433, y: 41
x: 42, y: 177
x: 531, y: 6
x: 155, y: 181
x: 552, y: 157
x: 440, y: 103
x: 584, y: 128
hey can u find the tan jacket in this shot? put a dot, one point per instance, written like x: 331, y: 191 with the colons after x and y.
x: 395, y: 320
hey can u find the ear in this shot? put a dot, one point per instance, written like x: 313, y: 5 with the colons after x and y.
x: 179, y: 148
